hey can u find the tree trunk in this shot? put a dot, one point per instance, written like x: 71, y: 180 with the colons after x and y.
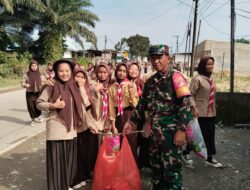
x: 52, y: 49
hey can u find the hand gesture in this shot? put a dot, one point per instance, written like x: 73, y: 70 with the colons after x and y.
x: 180, y: 138
x: 27, y: 85
x: 93, y: 130
x: 98, y: 86
x: 114, y: 130
x: 194, y: 111
x: 59, y: 104
x: 128, y: 127
x: 80, y: 82
x: 50, y: 82
x: 131, y: 86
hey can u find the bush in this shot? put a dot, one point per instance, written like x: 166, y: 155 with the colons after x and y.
x: 84, y: 61
x: 12, y: 64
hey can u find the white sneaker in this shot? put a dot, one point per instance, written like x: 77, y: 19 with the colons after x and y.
x: 214, y: 160
x: 70, y: 188
x: 187, y: 160
x: 83, y: 183
x: 213, y: 164
x: 79, y: 185
x: 33, y: 123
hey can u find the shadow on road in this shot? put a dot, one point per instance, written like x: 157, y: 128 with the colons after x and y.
x: 23, y: 171
x: 14, y: 120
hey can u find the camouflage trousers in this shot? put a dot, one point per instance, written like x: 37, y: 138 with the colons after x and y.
x: 166, y: 160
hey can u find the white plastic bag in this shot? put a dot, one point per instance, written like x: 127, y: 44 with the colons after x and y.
x: 195, y: 138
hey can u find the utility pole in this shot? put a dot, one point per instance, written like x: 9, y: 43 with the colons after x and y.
x: 189, y: 46
x: 171, y: 49
x: 187, y: 40
x: 198, y: 36
x: 105, y: 42
x: 222, y: 66
x: 232, y: 62
x: 177, y: 42
x: 194, y: 37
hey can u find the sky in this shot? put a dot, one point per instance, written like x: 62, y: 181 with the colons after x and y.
x: 163, y: 20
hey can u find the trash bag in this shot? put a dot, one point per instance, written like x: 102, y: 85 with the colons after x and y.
x: 195, y: 139
x: 117, y: 170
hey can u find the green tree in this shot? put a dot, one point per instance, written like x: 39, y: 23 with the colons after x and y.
x: 55, y: 20
x: 243, y: 41
x: 121, y: 45
x: 138, y: 45
x: 7, y: 5
x: 62, y: 18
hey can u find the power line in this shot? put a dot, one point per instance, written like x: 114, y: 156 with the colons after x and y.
x: 185, y: 3
x: 154, y: 18
x: 217, y: 9
x: 189, y: 18
x: 243, y: 10
x: 25, y: 23
x: 243, y: 2
x: 208, y: 7
x: 216, y: 28
x: 243, y: 16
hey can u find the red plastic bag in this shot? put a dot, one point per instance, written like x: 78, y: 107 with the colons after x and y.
x: 117, y: 171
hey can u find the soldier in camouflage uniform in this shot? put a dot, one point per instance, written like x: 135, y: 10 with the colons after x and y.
x: 169, y: 117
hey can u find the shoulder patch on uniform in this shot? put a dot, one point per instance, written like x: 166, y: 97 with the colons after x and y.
x: 180, y: 85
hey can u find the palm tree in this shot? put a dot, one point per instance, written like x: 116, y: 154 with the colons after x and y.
x: 55, y: 20
x: 7, y: 4
x: 63, y: 18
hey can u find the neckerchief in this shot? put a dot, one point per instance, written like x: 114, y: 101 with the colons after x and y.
x: 104, y: 94
x: 211, y: 96
x: 120, y: 96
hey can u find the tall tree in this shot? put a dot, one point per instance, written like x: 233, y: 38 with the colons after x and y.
x: 56, y: 20
x: 121, y: 45
x: 62, y: 18
x: 7, y: 5
x: 138, y: 45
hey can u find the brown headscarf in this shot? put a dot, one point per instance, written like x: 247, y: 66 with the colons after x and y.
x: 87, y: 87
x: 104, y: 91
x: 105, y: 83
x: 68, y: 90
x: 34, y: 76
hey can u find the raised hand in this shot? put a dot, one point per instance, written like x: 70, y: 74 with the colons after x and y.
x: 80, y: 82
x: 59, y: 104
x: 50, y: 82
x: 27, y: 85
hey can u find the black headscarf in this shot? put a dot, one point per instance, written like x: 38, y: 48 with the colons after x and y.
x: 201, y: 69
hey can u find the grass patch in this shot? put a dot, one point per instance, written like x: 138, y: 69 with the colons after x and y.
x: 9, y: 82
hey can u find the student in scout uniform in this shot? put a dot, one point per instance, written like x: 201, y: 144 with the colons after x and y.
x: 123, y: 98
x: 87, y: 140
x: 33, y: 82
x: 203, y: 90
x: 63, y: 103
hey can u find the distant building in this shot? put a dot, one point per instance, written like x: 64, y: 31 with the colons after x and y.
x: 217, y: 49
x: 70, y: 53
x: 183, y: 59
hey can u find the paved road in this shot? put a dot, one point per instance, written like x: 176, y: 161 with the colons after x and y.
x: 14, y: 120
x: 23, y: 166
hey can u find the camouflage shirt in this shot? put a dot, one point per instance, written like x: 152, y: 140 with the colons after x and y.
x: 164, y: 109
